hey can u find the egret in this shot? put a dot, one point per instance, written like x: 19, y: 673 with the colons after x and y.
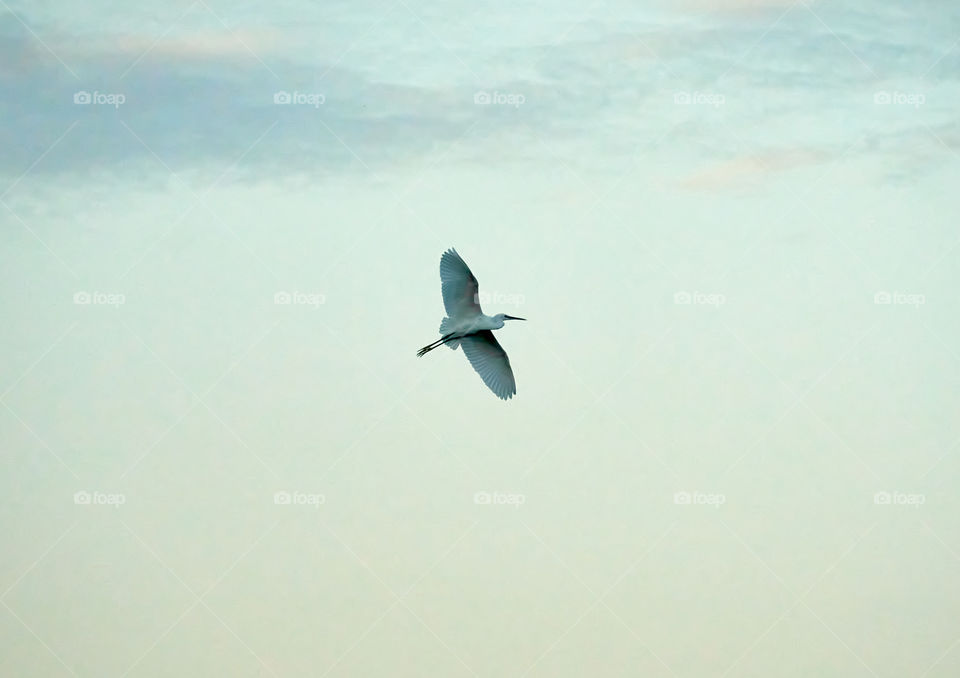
x: 467, y: 326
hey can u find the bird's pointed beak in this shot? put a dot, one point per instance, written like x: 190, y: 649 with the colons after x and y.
x: 510, y: 317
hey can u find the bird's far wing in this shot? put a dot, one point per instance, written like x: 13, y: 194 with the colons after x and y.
x: 458, y: 285
x: 491, y: 362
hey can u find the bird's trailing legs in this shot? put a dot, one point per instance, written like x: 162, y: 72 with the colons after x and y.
x: 439, y: 342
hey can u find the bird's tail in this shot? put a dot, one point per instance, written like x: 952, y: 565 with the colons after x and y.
x: 446, y: 326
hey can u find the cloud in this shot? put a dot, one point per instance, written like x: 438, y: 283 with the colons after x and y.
x: 202, y: 100
x: 735, y: 5
x: 243, y: 43
x: 747, y: 168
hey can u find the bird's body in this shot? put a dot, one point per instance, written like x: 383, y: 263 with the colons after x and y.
x: 466, y: 325
x: 474, y: 324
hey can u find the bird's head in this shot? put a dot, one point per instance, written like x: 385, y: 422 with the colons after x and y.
x: 501, y: 317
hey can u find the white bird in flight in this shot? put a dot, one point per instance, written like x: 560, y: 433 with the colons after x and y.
x: 467, y: 326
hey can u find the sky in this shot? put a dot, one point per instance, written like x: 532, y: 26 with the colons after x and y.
x: 731, y: 226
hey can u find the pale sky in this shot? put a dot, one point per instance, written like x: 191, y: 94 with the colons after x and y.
x: 732, y: 229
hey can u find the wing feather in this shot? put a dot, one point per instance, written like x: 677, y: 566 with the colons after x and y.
x: 458, y: 285
x: 491, y: 363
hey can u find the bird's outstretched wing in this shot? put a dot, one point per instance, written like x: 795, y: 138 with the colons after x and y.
x: 459, y: 286
x: 491, y: 363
